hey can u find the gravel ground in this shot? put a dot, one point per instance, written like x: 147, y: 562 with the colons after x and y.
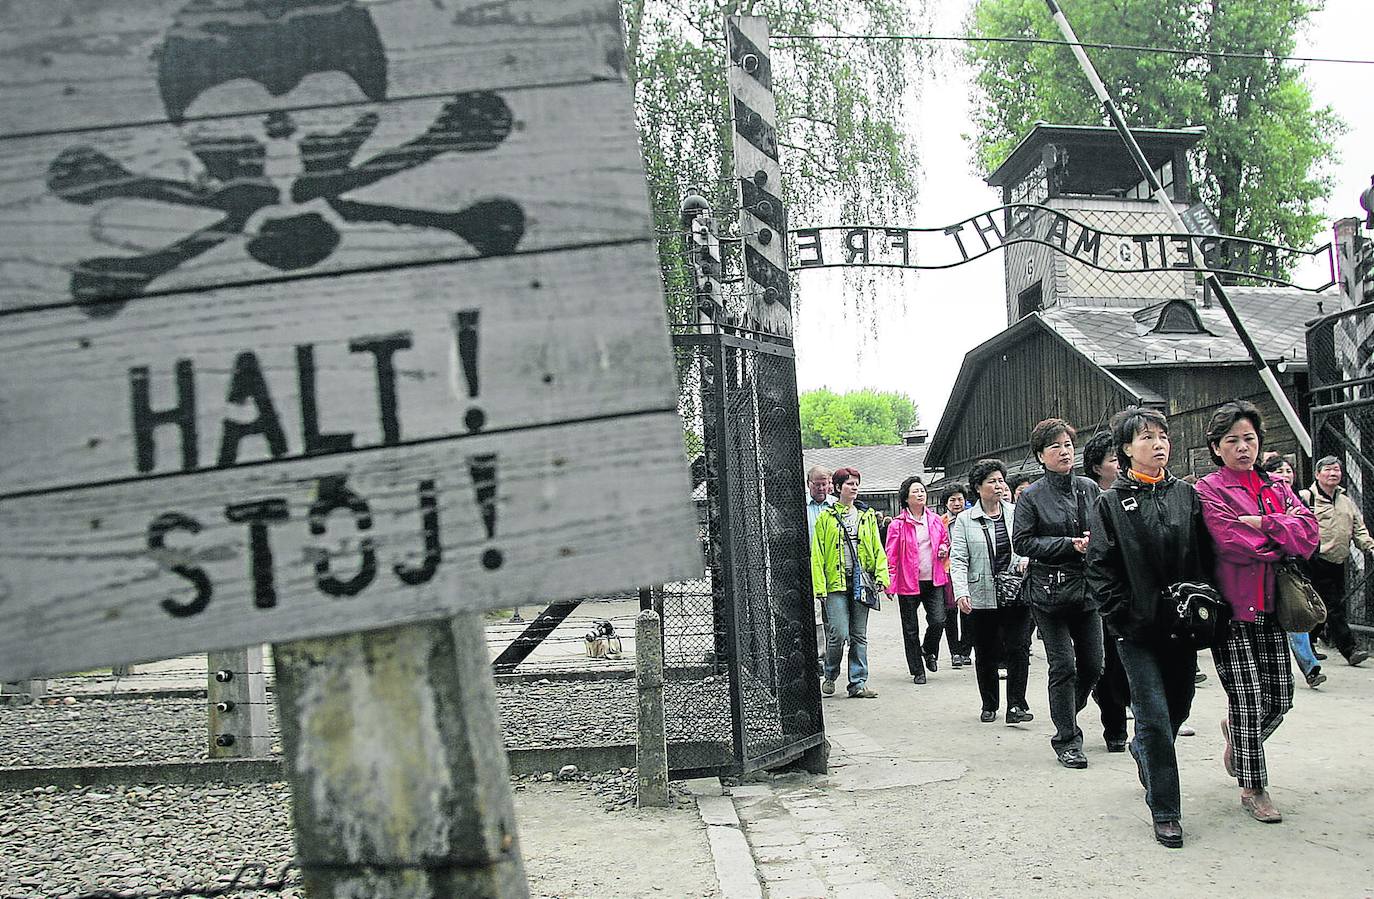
x: 71, y: 731
x: 93, y: 731
x: 139, y: 838
x: 147, y: 839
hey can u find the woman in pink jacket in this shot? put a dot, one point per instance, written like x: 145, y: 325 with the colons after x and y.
x: 1256, y: 522
x: 917, y: 547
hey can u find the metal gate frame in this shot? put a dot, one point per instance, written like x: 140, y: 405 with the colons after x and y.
x: 758, y: 555
x: 1340, y: 354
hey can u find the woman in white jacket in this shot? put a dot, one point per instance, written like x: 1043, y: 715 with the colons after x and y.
x: 980, y: 549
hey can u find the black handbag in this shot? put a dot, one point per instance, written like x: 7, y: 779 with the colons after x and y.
x: 1010, y: 585
x: 1195, y: 614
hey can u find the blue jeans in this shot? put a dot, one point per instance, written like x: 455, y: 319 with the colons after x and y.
x: 1301, y: 644
x: 1162, y: 687
x: 846, y: 622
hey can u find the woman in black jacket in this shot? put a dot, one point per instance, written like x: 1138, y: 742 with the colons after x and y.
x: 1148, y: 533
x: 1051, y: 529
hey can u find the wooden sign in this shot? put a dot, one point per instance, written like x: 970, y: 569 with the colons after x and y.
x: 321, y: 316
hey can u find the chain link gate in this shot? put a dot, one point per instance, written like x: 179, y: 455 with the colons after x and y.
x: 760, y: 691
x: 1340, y: 357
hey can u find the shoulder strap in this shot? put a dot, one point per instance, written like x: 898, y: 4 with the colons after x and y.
x: 992, y: 553
x: 854, y: 551
x: 987, y: 536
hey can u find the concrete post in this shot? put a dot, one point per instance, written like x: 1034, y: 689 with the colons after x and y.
x: 236, y: 691
x: 399, y: 780
x: 651, y: 752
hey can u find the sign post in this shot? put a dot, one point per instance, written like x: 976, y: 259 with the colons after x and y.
x: 324, y: 322
x: 762, y: 218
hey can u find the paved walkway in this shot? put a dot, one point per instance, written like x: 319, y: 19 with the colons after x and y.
x: 924, y: 800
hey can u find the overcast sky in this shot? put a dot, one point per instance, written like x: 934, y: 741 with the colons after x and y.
x: 926, y: 321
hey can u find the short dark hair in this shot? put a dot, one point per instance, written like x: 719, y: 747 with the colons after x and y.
x: 950, y: 492
x: 1017, y: 481
x: 843, y: 474
x: 1272, y: 464
x: 982, y: 470
x: 904, y: 491
x: 1225, y: 418
x: 1095, y: 452
x: 1045, y: 431
x: 1126, y: 424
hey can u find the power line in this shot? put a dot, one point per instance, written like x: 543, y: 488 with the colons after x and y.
x: 1133, y: 48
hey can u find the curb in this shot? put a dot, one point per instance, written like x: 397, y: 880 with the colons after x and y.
x: 737, y: 875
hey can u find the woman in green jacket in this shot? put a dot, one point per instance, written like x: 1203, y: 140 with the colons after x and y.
x: 841, y: 532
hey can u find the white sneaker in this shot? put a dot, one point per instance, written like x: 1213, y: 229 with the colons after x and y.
x: 1186, y: 731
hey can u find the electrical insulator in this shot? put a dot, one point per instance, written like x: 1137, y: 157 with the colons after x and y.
x: 224, y: 706
x: 224, y: 740
x: 224, y: 677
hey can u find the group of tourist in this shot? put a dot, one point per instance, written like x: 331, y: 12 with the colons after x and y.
x: 1094, y: 565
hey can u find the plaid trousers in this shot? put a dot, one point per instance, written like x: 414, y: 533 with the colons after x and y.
x: 1254, y: 669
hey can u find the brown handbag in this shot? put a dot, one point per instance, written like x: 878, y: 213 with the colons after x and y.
x: 1298, y: 606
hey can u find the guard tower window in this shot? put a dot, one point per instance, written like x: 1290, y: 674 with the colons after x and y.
x: 1165, y: 175
x: 1032, y: 299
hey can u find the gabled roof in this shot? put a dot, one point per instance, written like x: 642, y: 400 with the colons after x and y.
x: 974, y: 360
x: 883, y: 468
x: 1276, y: 318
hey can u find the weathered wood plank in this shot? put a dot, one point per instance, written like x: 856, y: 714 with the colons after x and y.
x: 113, y: 213
x: 576, y: 509
x: 73, y: 64
x: 494, y: 344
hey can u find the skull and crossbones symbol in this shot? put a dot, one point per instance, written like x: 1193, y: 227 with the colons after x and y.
x: 277, y: 44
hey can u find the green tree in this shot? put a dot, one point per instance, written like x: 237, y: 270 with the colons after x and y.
x: 1260, y: 164
x: 860, y: 418
x: 840, y: 108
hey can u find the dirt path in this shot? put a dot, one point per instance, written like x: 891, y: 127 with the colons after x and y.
x: 574, y: 849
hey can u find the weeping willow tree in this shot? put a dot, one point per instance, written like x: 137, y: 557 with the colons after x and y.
x: 840, y: 111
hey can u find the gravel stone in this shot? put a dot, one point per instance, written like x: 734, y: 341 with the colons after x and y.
x: 539, y: 714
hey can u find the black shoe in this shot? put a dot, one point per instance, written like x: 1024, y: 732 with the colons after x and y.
x: 1170, y: 833
x: 1199, y: 677
x: 1318, y: 654
x: 1315, y: 678
x: 988, y: 716
x: 1357, y: 657
x: 919, y: 678
x: 1017, y: 715
x: 1116, y: 745
x: 932, y: 663
x: 956, y: 661
x: 1073, y: 758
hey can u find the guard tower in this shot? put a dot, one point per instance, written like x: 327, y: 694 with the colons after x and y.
x: 1086, y: 172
